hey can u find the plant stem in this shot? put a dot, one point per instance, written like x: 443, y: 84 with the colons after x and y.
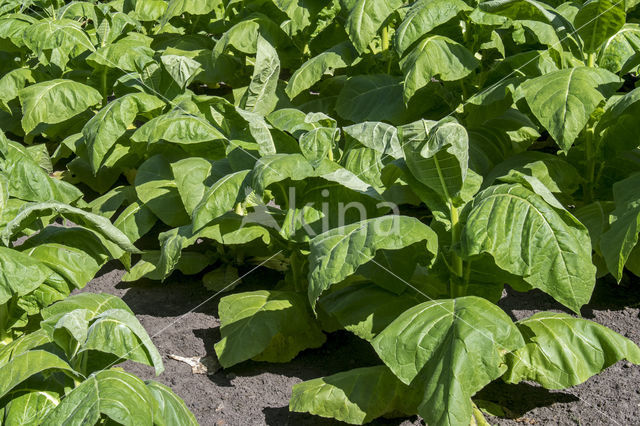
x: 456, y: 261
x: 385, y: 38
x: 103, y: 83
x: 385, y: 46
x: 591, y: 164
x: 591, y: 60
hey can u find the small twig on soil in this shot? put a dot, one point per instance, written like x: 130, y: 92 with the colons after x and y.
x: 199, y: 365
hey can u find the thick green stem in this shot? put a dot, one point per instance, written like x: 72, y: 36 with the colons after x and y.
x: 591, y: 60
x: 590, y: 152
x: 459, y: 280
x: 103, y: 83
x: 385, y: 38
x: 456, y: 261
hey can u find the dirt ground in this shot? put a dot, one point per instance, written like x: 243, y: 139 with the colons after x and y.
x: 255, y: 393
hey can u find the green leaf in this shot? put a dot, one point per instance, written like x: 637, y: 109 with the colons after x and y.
x: 562, y: 351
x: 312, y: 71
x: 266, y: 326
x: 103, y: 130
x: 619, y: 240
x: 356, y: 396
x: 617, y: 122
x: 220, y: 198
x: 437, y: 155
x: 619, y: 48
x: 192, y: 176
x: 563, y: 100
x: 182, y: 69
x: 546, y: 246
x: 597, y: 20
x: 120, y: 396
x: 135, y: 221
x: 55, y: 101
x: 365, y: 309
x: 28, y: 364
x: 118, y: 332
x: 28, y: 181
x: 171, y: 408
x: 450, y: 349
x: 365, y: 19
x: 373, y: 97
x: 157, y: 189
x: 338, y: 253
x: 191, y: 132
x: 423, y: 17
x: 261, y: 97
x: 19, y: 274
x: 101, y: 225
x: 435, y: 56
x: 316, y: 144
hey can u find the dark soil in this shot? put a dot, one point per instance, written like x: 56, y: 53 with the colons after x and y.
x: 256, y: 393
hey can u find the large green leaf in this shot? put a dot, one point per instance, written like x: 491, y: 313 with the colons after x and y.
x: 191, y: 132
x: 99, y: 224
x: 562, y: 351
x: 563, y: 100
x: 135, y: 221
x: 172, y: 411
x: 527, y: 237
x: 266, y: 326
x: 597, y: 20
x: 619, y: 48
x: 617, y: 122
x: 57, y: 40
x: 340, y: 252
x: 373, y: 97
x: 120, y: 396
x: 157, y: 189
x: 55, y: 101
x: 103, y: 130
x: 437, y: 155
x: 29, y: 181
x: 365, y: 19
x: 450, y: 349
x: 619, y: 240
x: 435, y: 56
x: 19, y: 273
x: 365, y: 309
x: 27, y: 364
x: 312, y: 71
x: 424, y: 16
x: 356, y: 396
x: 220, y: 198
x: 261, y: 97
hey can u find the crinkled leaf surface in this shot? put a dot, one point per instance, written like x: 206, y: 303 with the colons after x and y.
x: 266, y: 326
x: 365, y: 19
x: 527, y: 237
x: 619, y: 240
x: 55, y: 101
x: 99, y: 224
x: 120, y: 396
x: 450, y: 349
x: 424, y: 16
x: 338, y: 253
x: 597, y: 20
x: 355, y: 396
x: 563, y: 100
x: 562, y: 351
x: 103, y: 130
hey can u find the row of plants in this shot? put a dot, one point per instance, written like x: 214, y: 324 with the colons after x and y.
x: 398, y: 162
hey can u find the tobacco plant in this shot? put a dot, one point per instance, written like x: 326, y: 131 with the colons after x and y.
x: 397, y: 162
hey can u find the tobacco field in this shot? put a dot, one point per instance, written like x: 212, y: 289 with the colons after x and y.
x: 394, y: 164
